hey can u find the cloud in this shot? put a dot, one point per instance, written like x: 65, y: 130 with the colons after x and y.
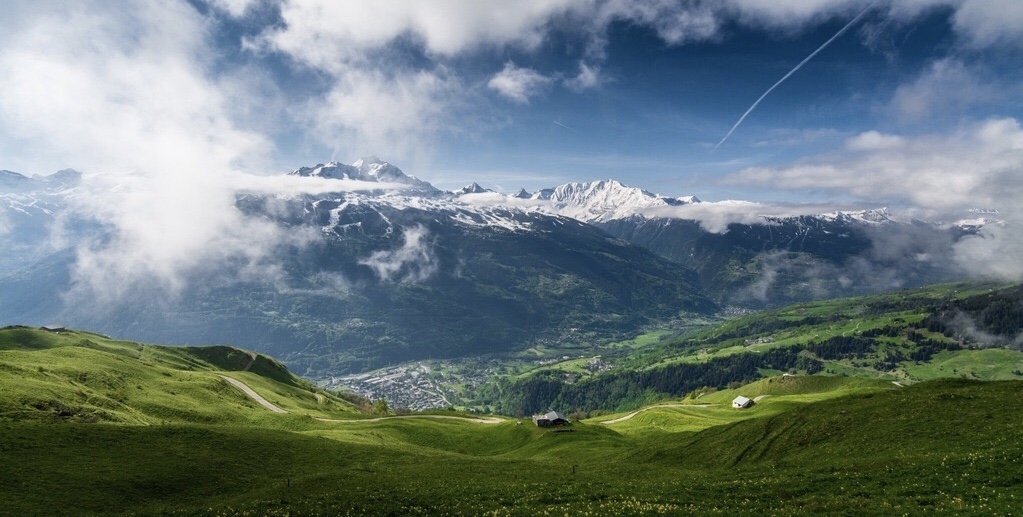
x: 947, y: 87
x: 674, y: 22
x: 980, y: 165
x: 415, y: 261
x: 392, y: 72
x: 122, y: 93
x: 717, y: 215
x: 587, y: 78
x: 331, y: 35
x: 236, y: 8
x: 518, y: 84
x: 987, y: 23
x: 400, y: 112
x: 126, y: 94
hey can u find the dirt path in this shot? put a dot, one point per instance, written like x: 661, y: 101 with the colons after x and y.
x: 638, y: 411
x: 481, y: 420
x: 252, y: 360
x: 252, y: 394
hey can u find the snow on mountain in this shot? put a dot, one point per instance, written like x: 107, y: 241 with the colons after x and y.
x: 36, y: 194
x: 874, y: 217
x: 370, y: 169
x: 602, y: 201
x: 474, y: 188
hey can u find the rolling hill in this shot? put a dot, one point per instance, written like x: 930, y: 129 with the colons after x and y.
x: 188, y: 444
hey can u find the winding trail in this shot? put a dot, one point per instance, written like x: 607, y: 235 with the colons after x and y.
x: 480, y: 420
x: 638, y: 411
x: 252, y: 394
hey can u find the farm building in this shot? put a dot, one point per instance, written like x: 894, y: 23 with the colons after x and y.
x: 741, y: 402
x: 550, y: 419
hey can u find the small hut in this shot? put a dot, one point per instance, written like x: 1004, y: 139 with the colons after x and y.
x: 741, y: 402
x: 550, y: 419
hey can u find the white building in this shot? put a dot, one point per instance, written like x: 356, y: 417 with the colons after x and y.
x: 741, y: 402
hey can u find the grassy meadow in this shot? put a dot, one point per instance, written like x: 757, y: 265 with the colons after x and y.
x: 94, y: 426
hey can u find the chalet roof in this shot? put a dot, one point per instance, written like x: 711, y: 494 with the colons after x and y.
x: 742, y: 401
x: 554, y: 415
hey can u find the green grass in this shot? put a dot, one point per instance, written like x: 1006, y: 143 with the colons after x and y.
x: 79, y: 376
x: 937, y: 447
x: 155, y: 431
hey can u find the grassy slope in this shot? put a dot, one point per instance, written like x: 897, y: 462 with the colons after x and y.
x: 79, y: 376
x: 817, y: 321
x: 814, y: 445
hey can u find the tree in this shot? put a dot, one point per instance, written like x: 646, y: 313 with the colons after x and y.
x: 380, y: 407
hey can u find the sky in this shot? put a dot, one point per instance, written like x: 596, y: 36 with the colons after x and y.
x: 530, y: 94
x: 169, y: 106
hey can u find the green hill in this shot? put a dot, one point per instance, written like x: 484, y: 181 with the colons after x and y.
x: 96, y: 426
x: 86, y: 377
x: 908, y: 336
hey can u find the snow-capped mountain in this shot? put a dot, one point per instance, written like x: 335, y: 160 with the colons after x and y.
x: 473, y: 188
x: 602, y: 201
x: 414, y: 271
x: 370, y: 169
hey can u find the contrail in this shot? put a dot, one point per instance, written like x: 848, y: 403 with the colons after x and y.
x: 564, y: 126
x: 800, y: 65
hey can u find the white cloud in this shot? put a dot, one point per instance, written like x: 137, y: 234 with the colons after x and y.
x: 946, y: 88
x: 675, y: 22
x: 717, y: 215
x: 990, y: 22
x: 413, y: 262
x: 518, y: 84
x: 979, y: 165
x: 388, y: 113
x: 328, y: 34
x: 587, y: 78
x: 236, y: 8
x: 123, y: 93
x: 874, y: 141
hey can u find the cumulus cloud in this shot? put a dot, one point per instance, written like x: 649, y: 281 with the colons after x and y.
x: 235, y: 8
x: 518, y: 84
x: 978, y: 166
x: 587, y: 78
x: 415, y: 261
x: 125, y: 94
x: 122, y: 94
x: 947, y: 86
x: 392, y: 57
x: 394, y: 112
x: 716, y: 216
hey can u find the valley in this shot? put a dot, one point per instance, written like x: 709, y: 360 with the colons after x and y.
x: 397, y: 271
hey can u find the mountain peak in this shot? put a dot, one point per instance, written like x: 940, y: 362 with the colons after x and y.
x: 473, y: 188
x: 369, y: 168
x: 605, y: 200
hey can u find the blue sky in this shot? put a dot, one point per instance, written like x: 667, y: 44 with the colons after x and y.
x: 529, y: 94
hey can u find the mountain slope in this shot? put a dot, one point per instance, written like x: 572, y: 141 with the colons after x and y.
x: 385, y: 276
x: 71, y: 376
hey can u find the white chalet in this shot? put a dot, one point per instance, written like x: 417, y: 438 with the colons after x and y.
x: 741, y: 402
